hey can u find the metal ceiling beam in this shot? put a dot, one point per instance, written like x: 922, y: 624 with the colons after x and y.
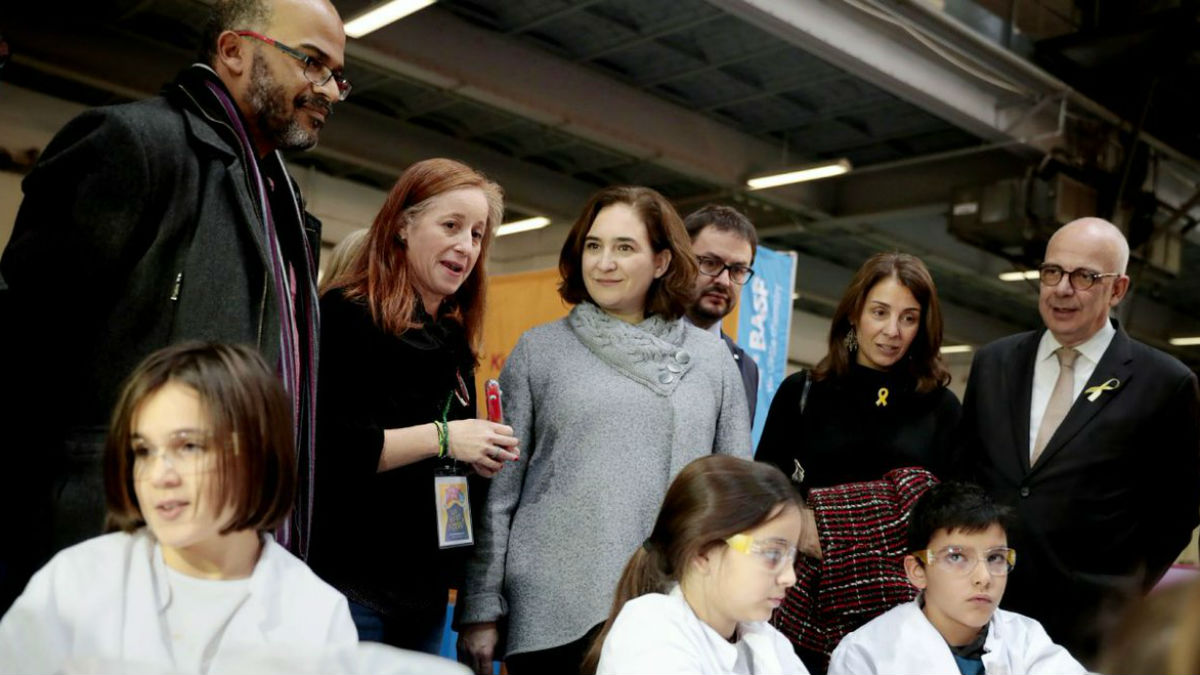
x: 550, y: 16
x: 710, y: 66
x: 883, y: 54
x: 574, y: 99
x: 768, y: 92
x: 139, y: 68
x: 643, y: 38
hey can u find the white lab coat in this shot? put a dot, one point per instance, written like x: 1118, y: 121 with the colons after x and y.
x: 658, y: 633
x: 104, y: 601
x: 901, y: 641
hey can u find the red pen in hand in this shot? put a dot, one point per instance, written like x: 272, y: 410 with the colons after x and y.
x: 491, y: 394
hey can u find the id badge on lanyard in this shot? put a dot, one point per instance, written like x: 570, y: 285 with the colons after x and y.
x: 452, y: 496
x: 453, y: 508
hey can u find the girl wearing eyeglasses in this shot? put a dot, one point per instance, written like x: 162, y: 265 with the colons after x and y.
x: 199, y: 469
x: 696, y: 596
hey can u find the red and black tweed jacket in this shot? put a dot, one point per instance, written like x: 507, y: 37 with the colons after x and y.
x: 863, y: 528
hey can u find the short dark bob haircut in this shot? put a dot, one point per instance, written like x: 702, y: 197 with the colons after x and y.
x: 669, y: 295
x: 951, y: 506
x: 923, y: 360
x: 251, y: 423
x: 723, y: 219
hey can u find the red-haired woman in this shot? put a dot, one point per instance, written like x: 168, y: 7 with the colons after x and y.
x: 396, y: 405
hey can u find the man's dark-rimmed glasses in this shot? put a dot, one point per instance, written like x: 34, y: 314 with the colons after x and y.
x: 316, y: 72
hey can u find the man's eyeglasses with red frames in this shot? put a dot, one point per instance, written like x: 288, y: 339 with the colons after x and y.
x: 316, y: 72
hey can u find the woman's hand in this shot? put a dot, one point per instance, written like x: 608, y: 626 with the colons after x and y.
x: 482, y: 444
x: 810, y: 540
x: 477, y: 646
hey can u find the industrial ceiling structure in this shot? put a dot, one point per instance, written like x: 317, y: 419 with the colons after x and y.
x: 973, y: 126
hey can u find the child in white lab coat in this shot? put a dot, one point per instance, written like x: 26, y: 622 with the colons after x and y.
x: 199, y: 468
x: 960, y: 561
x: 696, y: 597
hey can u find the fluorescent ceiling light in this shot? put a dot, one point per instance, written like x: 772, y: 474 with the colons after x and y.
x: 381, y: 15
x: 957, y: 349
x: 1186, y: 341
x: 1019, y: 276
x: 536, y: 223
x: 800, y: 174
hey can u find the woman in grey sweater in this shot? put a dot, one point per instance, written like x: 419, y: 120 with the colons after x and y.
x: 614, y: 400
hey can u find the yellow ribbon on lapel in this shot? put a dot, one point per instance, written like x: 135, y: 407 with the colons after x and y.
x: 1094, y: 392
x: 882, y: 400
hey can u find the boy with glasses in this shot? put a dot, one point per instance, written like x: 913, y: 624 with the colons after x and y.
x: 959, y: 559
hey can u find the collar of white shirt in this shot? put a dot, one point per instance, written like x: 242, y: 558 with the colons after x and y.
x: 1092, y: 349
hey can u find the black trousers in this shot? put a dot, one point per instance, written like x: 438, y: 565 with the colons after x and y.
x: 563, y: 659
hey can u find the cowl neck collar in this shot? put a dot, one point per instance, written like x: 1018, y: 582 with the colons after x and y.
x: 650, y: 353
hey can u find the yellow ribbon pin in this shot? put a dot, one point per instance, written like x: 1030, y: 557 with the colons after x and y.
x: 882, y: 400
x: 1094, y: 392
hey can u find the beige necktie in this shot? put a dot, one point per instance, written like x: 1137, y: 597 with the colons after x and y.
x: 1060, y: 401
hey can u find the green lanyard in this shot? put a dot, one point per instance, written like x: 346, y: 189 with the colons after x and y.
x: 443, y: 430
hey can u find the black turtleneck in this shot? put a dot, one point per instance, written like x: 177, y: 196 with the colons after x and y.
x: 374, y: 533
x: 851, y: 431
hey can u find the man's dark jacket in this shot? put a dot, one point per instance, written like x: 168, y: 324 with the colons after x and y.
x: 1113, y: 498
x: 139, y: 228
x: 749, y: 370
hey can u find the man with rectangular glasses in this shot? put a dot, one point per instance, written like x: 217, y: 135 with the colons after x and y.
x: 725, y: 243
x: 158, y: 221
x: 1092, y: 437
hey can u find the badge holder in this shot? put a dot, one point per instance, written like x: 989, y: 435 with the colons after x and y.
x: 453, y: 508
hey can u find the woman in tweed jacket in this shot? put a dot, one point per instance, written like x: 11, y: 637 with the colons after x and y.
x: 614, y: 400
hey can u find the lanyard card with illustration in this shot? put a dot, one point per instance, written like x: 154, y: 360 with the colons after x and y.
x: 452, y: 496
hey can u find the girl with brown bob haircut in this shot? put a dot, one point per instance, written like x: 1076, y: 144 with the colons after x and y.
x: 400, y: 335
x: 254, y: 462
x: 611, y: 401
x: 199, y: 466
x: 876, y: 402
x: 670, y: 294
x: 709, y: 575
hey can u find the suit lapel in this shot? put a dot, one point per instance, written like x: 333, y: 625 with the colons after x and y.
x: 1018, y: 391
x: 1117, y: 363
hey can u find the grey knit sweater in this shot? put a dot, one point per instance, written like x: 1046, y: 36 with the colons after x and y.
x: 607, y: 414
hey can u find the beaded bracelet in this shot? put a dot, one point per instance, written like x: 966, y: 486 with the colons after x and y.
x: 443, y: 432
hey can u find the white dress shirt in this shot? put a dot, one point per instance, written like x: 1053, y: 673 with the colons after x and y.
x: 1045, y: 372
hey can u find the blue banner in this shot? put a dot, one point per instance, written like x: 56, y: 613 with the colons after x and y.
x: 765, y: 324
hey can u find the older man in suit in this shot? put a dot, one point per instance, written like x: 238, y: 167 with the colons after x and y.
x: 1093, y: 438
